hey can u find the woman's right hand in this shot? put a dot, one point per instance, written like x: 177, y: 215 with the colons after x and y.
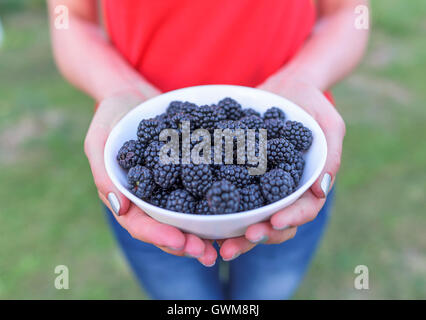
x: 139, y: 225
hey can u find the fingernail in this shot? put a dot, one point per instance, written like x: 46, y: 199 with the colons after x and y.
x: 235, y: 256
x: 280, y: 228
x: 115, y: 204
x: 191, y: 256
x: 325, y: 184
x: 209, y: 265
x: 174, y: 248
x: 262, y: 239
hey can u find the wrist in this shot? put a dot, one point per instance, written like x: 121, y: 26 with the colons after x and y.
x: 139, y: 88
x: 122, y: 92
x: 113, y: 107
x: 295, y: 72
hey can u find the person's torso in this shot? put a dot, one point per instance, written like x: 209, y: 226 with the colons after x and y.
x: 180, y: 43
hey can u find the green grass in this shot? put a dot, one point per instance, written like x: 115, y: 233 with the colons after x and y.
x: 50, y: 214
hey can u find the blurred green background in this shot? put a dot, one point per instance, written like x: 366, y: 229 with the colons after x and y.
x: 50, y: 214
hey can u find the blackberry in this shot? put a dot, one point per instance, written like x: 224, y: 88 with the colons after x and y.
x: 188, y: 107
x: 181, y: 200
x: 149, y: 130
x: 197, y: 143
x: 251, y: 198
x: 237, y: 175
x: 274, y: 113
x: 222, y: 158
x: 152, y: 153
x: 180, y: 107
x: 276, y: 184
x: 174, y: 107
x: 300, y: 136
x: 252, y: 122
x: 295, y: 168
x: 168, y: 122
x: 247, y: 112
x: 206, y: 117
x: 166, y: 175
x: 280, y: 150
x: 197, y: 178
x: 140, y: 181
x: 274, y: 127
x: 299, y: 163
x: 202, y: 207
x: 223, y: 197
x: 212, y: 151
x: 232, y: 108
x: 253, y: 149
x: 175, y: 121
x: 230, y: 124
x: 207, y: 189
x: 130, y: 154
x: 161, y: 117
x: 159, y: 197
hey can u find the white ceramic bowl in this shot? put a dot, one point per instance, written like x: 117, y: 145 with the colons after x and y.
x: 226, y: 225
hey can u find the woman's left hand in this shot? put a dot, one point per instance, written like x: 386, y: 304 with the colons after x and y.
x: 283, y: 225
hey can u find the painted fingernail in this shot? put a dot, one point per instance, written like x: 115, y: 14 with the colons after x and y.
x: 262, y: 239
x: 235, y: 256
x: 325, y: 184
x: 280, y: 228
x: 115, y: 204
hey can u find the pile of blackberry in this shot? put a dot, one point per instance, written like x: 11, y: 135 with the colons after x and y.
x: 208, y: 189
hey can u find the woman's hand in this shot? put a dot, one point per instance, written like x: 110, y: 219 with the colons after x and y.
x: 283, y: 224
x: 135, y: 221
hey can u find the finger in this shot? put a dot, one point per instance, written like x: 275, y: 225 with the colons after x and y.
x: 194, y: 246
x: 105, y: 201
x: 170, y: 250
x: 220, y: 242
x: 234, y: 247
x: 142, y: 227
x: 208, y: 259
x: 264, y: 233
x: 109, y: 112
x: 94, y: 148
x: 334, y: 131
x: 302, y: 211
x: 210, y: 254
x: 179, y: 253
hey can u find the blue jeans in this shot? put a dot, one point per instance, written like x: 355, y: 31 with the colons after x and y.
x: 265, y: 272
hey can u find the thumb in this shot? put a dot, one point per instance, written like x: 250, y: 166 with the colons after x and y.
x: 109, y: 111
x: 94, y: 148
x: 334, y: 130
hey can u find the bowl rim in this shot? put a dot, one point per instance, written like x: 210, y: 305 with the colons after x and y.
x: 197, y: 217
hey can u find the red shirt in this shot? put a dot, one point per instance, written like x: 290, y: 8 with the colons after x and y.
x: 180, y: 43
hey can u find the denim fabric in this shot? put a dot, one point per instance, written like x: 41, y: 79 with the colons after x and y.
x: 265, y: 272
